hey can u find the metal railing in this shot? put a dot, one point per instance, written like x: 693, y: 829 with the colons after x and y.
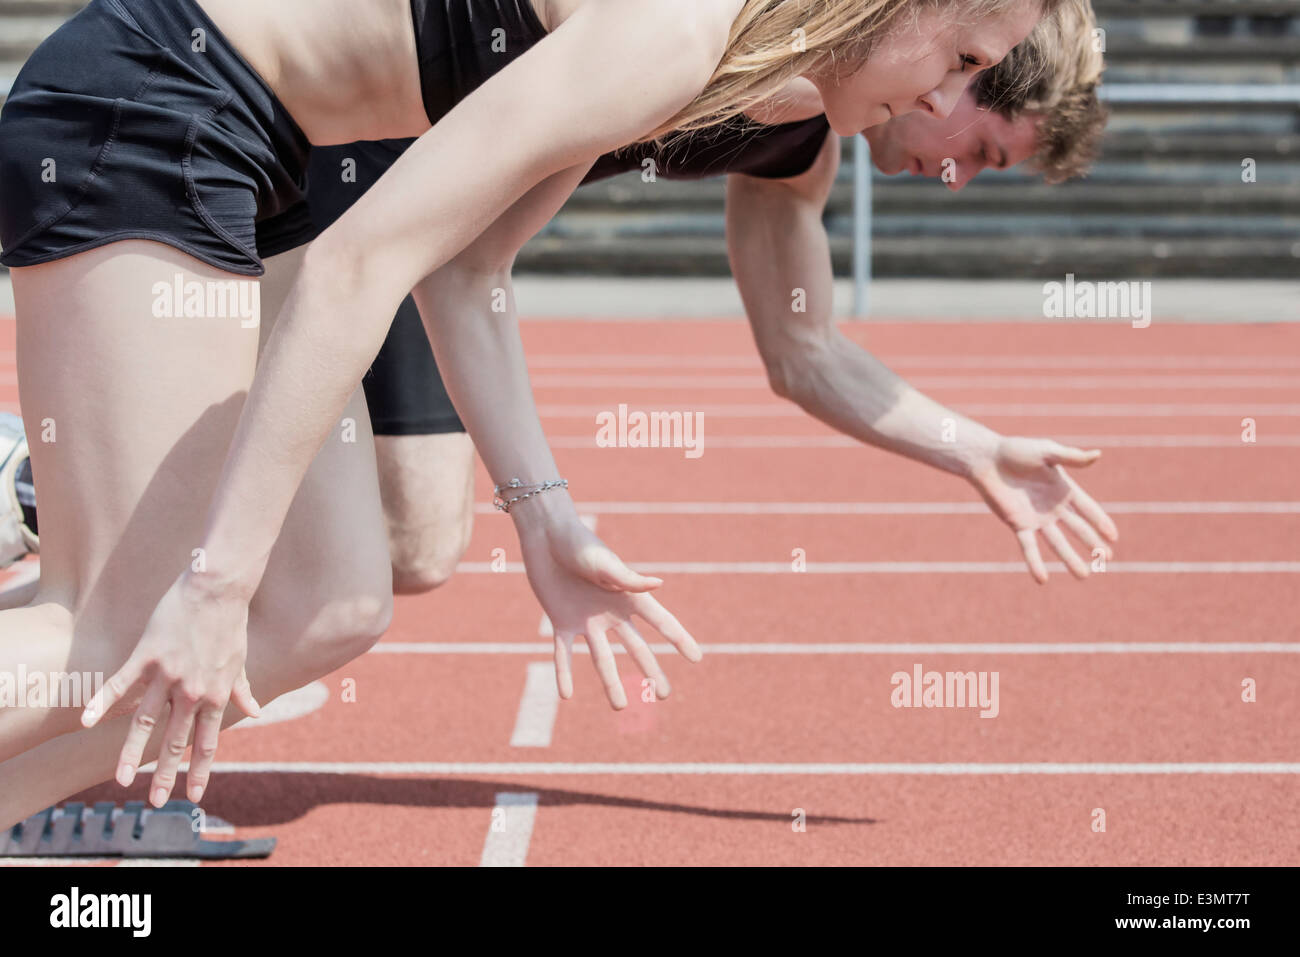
x: 1152, y: 94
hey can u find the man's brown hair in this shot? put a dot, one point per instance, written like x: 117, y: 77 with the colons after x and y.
x: 1054, y: 74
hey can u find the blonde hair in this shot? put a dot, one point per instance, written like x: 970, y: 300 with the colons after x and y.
x: 1055, y: 72
x: 774, y: 41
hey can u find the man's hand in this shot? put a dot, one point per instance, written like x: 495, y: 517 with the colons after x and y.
x: 1026, y: 485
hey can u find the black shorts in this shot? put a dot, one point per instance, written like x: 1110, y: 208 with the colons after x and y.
x: 120, y: 127
x: 403, y: 388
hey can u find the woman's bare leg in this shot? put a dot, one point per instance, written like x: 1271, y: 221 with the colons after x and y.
x: 143, y: 410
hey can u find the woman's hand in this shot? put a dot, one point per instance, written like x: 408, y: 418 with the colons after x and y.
x: 1025, y: 483
x: 586, y: 590
x: 191, y: 657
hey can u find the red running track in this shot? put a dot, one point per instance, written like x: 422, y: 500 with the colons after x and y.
x: 1120, y: 696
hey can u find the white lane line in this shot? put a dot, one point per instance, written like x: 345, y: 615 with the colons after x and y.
x: 511, y: 830
x: 1228, y: 440
x: 1054, y: 382
x: 752, y: 362
x: 716, y: 767
x: 1123, y: 410
x: 921, y: 568
x: 537, y: 708
x: 909, y: 508
x: 867, y: 648
x: 544, y: 628
x: 289, y: 706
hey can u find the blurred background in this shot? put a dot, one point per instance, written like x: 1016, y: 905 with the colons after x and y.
x: 1195, y: 87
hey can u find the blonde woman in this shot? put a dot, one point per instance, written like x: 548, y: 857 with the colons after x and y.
x: 210, y: 521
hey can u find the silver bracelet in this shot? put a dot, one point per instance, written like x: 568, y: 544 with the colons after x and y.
x: 503, y: 504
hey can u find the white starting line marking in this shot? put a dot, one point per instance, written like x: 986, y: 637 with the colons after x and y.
x: 289, y: 706
x: 511, y: 830
x: 423, y: 768
x: 863, y: 648
x: 919, y: 568
x: 537, y: 708
x: 1054, y: 382
x: 907, y: 508
x: 1175, y: 441
x: 1124, y: 410
x: 752, y: 362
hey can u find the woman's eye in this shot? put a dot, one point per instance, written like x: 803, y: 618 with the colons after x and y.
x: 968, y: 60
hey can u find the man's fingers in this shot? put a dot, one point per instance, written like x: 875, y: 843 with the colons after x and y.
x: 564, y: 665
x: 142, y: 727
x: 1087, y: 534
x: 663, y: 622
x: 1061, y: 545
x: 113, y: 691
x: 1090, y: 510
x: 206, y: 731
x: 1029, y: 546
x: 603, y: 658
x: 645, y: 659
x: 175, y: 740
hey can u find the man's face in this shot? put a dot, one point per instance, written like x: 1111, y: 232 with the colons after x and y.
x: 972, y: 138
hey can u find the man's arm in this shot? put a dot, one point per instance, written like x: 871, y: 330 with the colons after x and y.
x: 778, y: 246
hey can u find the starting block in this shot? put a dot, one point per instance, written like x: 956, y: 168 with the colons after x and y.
x: 134, y: 830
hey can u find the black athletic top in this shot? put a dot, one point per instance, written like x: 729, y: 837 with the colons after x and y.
x: 460, y: 43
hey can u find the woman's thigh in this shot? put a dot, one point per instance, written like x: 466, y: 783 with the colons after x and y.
x: 133, y: 365
x: 130, y: 393
x: 327, y: 590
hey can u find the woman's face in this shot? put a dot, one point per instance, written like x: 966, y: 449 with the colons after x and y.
x: 924, y: 63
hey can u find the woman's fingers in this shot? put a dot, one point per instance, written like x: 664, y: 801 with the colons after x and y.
x: 113, y: 690
x: 242, y: 695
x: 206, y: 731
x: 603, y: 658
x: 564, y: 665
x: 1029, y: 546
x: 175, y: 740
x: 645, y: 659
x: 1090, y: 510
x: 608, y: 571
x: 1061, y: 545
x: 1058, y: 454
x: 142, y: 727
x: 663, y: 622
x: 1087, y: 534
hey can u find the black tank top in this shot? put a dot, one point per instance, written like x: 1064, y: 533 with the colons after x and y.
x: 460, y: 43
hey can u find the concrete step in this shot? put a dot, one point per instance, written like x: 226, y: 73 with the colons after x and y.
x: 906, y: 223
x: 1084, y: 197
x: 996, y: 257
x: 1190, y: 8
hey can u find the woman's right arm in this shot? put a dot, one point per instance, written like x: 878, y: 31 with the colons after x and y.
x: 611, y: 72
x: 468, y: 308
